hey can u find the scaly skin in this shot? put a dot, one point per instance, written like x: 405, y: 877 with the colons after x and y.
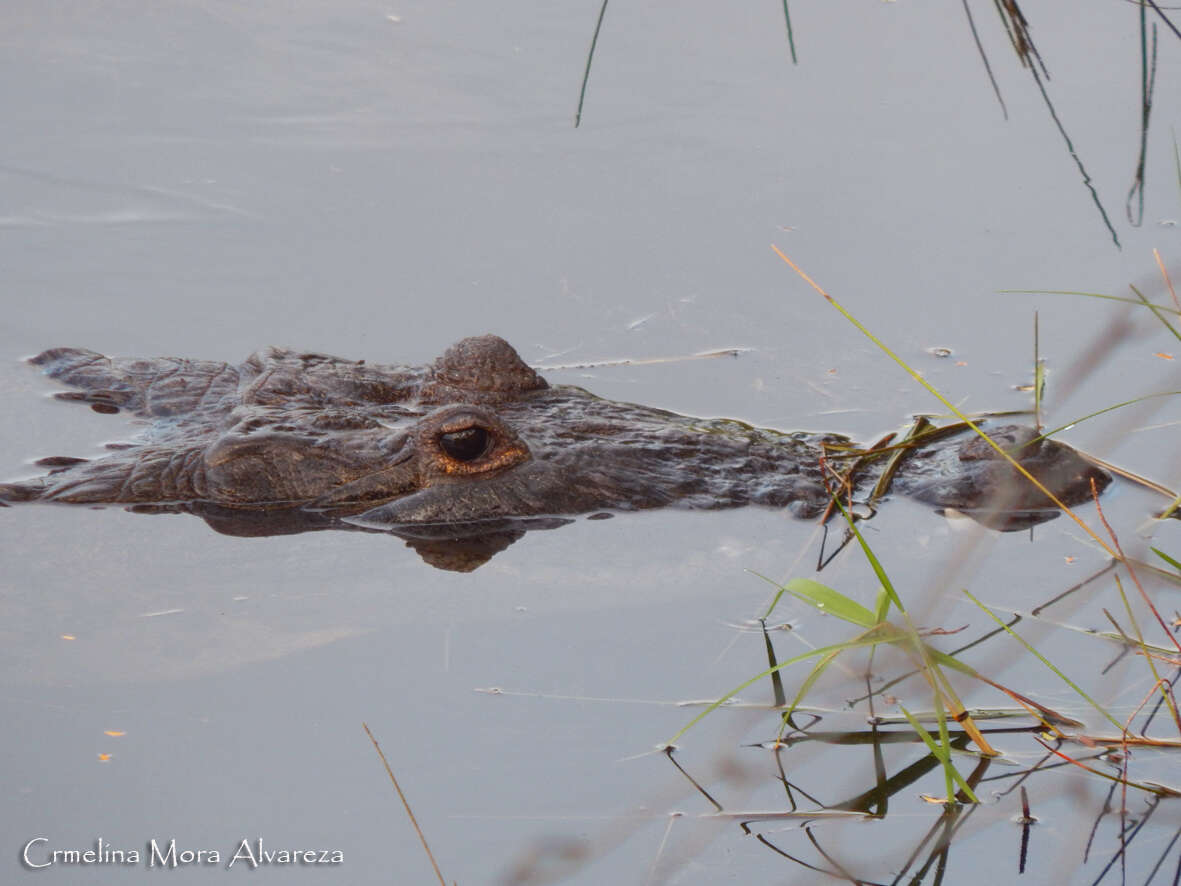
x: 470, y: 446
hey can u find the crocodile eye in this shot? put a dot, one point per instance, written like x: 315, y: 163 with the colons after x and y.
x: 467, y: 444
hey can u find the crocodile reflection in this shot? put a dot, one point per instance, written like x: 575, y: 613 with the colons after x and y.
x: 461, y: 457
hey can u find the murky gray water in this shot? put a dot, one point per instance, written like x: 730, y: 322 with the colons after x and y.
x: 374, y: 180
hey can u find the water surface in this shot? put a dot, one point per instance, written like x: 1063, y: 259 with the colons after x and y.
x: 203, y: 179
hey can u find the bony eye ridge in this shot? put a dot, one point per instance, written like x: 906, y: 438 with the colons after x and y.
x: 466, y: 444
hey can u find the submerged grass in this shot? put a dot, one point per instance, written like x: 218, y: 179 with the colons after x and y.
x: 953, y: 723
x: 876, y: 630
x: 934, y: 719
x: 1033, y: 651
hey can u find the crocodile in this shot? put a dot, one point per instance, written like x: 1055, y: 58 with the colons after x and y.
x: 462, y: 456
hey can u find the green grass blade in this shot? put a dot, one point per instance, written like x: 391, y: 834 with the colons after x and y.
x: 945, y: 660
x: 817, y: 670
x: 886, y: 585
x: 949, y: 770
x: 1131, y: 301
x: 942, y: 755
x: 589, y: 59
x: 1078, y: 689
x: 1167, y: 559
x: 1039, y: 375
x: 791, y: 40
x: 947, y: 403
x: 1090, y: 415
x: 920, y: 429
x: 1162, y: 685
x: 1177, y: 160
x: 884, y: 633
x: 833, y: 602
x: 1171, y: 509
x: 780, y: 591
x: 1157, y: 312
